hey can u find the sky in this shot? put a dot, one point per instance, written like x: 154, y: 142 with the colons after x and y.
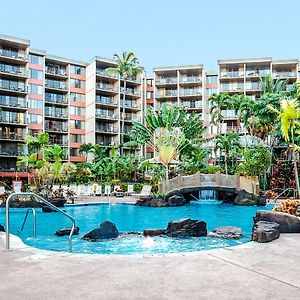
x: 159, y: 32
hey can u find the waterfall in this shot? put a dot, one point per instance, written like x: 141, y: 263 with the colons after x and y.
x: 208, y: 195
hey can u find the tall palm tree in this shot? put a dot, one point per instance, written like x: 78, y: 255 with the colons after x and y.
x: 268, y: 85
x: 218, y: 103
x: 289, y: 115
x: 86, y: 148
x: 128, y: 67
x: 227, y: 143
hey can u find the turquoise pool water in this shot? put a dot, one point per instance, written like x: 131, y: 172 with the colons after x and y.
x: 130, y: 218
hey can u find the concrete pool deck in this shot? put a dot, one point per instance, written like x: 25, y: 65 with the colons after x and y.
x: 250, y: 271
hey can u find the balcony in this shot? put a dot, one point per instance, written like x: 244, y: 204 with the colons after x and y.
x: 12, y: 121
x: 56, y: 85
x: 13, y: 55
x: 229, y: 114
x: 253, y: 86
x: 285, y: 74
x: 56, y: 128
x: 13, y: 102
x: 190, y: 92
x: 12, y: 71
x: 131, y: 105
x: 132, y: 80
x: 167, y: 94
x: 59, y: 101
x: 106, y: 143
x: 107, y: 116
x: 231, y: 74
x: 106, y: 87
x: 106, y: 74
x: 166, y: 81
x: 56, y: 114
x: 106, y: 129
x: 60, y: 72
x: 232, y: 88
x: 11, y: 151
x: 257, y: 73
x: 191, y: 80
x: 60, y: 142
x: 197, y: 105
x: 12, y: 136
x: 131, y: 118
x: 131, y: 92
x: 106, y: 101
x: 13, y: 86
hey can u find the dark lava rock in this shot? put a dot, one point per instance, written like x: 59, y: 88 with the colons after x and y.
x: 264, y: 232
x: 154, y: 232
x: 177, y: 200
x: 2, y: 228
x: 261, y: 200
x: 106, y: 230
x: 244, y: 198
x: 67, y: 231
x: 186, y: 228
x: 226, y: 232
x: 58, y: 202
x: 17, y: 203
x: 287, y: 223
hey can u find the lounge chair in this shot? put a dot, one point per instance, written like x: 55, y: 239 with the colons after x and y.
x: 130, y: 190
x: 107, y: 190
x: 98, y: 190
x: 145, y: 192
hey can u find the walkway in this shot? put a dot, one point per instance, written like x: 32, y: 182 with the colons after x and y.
x: 253, y: 271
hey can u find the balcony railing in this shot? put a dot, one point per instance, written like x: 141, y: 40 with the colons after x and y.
x: 12, y: 70
x: 11, y: 152
x: 107, y: 101
x: 231, y: 74
x: 168, y: 93
x: 106, y: 143
x: 193, y: 105
x: 130, y: 105
x: 11, y: 120
x: 131, y: 118
x: 56, y: 71
x: 259, y: 73
x: 12, y: 86
x: 132, y: 79
x: 56, y: 101
x: 12, y: 54
x: 12, y: 136
x: 285, y: 74
x: 108, y: 129
x: 229, y: 114
x: 106, y: 73
x: 58, y: 142
x: 190, y: 92
x: 56, y: 128
x: 56, y: 114
x: 130, y: 92
x: 191, y: 79
x: 107, y: 116
x: 13, y: 169
x: 106, y: 87
x: 232, y: 88
x: 253, y: 86
x: 12, y: 102
x: 166, y: 80
x: 54, y: 85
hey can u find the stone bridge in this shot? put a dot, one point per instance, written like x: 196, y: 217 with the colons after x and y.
x: 218, y: 181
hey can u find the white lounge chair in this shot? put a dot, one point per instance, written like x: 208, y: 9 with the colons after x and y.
x: 145, y: 192
x: 130, y: 190
x: 98, y: 190
x: 107, y: 190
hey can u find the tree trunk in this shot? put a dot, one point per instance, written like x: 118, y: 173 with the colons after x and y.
x: 123, y: 119
x: 225, y: 162
x: 295, y: 163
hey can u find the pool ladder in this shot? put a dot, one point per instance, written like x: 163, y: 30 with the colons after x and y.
x: 44, y: 201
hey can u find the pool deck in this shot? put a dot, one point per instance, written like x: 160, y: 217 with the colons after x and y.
x: 250, y: 271
x: 104, y: 199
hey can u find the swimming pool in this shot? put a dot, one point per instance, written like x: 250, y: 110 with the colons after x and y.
x: 130, y: 218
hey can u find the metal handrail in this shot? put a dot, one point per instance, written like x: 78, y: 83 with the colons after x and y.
x: 288, y: 189
x: 39, y: 199
x: 34, y: 220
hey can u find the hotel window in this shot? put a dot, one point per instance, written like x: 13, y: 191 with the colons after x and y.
x: 36, y: 59
x: 74, y: 110
x: 77, y: 97
x: 35, y: 89
x: 76, y: 138
x: 77, y: 83
x: 74, y: 152
x: 35, y: 74
x: 35, y: 119
x: 75, y: 124
x: 212, y: 79
x: 149, y: 95
x: 32, y: 103
x: 77, y: 70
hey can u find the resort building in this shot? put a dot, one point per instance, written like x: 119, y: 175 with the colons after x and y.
x: 80, y: 102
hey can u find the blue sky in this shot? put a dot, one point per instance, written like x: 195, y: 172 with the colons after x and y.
x: 160, y: 32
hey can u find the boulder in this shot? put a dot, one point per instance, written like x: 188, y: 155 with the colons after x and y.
x: 106, y: 230
x: 177, y: 200
x: 264, y: 232
x: 58, y: 202
x: 2, y: 228
x: 17, y: 203
x: 154, y: 232
x: 261, y: 200
x: 244, y: 198
x: 226, y: 232
x: 67, y: 231
x: 186, y: 228
x: 287, y: 223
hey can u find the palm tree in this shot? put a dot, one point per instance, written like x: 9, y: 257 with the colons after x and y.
x: 218, y: 103
x: 128, y: 67
x: 86, y: 148
x: 268, y: 85
x: 289, y: 116
x: 227, y: 143
x: 55, y: 153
